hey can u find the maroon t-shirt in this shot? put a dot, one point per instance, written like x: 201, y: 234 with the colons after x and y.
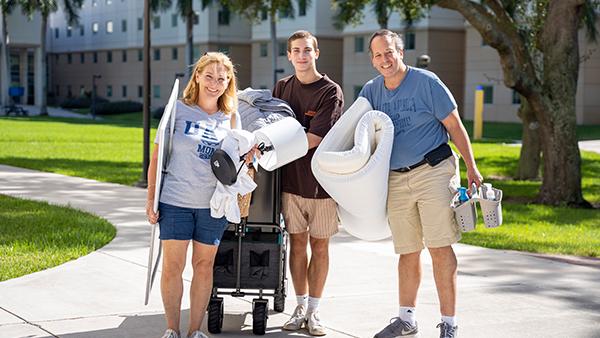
x: 317, y: 106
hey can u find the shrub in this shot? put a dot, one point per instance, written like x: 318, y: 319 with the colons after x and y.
x: 118, y: 107
x: 157, y: 113
x: 81, y: 102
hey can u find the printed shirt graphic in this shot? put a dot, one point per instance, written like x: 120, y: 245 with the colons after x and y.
x: 416, y: 108
x: 190, y: 182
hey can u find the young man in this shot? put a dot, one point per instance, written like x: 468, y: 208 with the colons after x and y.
x: 424, y: 173
x: 309, y: 213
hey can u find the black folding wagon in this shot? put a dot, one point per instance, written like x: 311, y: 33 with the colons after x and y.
x: 251, y: 260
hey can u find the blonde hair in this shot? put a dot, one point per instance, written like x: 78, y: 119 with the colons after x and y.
x: 227, y: 103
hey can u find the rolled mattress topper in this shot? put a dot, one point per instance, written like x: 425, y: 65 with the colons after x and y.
x: 352, y: 164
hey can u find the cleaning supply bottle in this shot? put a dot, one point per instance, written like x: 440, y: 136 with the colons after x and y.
x: 462, y: 195
x: 489, y: 192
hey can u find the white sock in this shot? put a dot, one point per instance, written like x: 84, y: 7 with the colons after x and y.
x: 302, y: 299
x: 407, y: 314
x: 313, y: 304
x: 450, y: 320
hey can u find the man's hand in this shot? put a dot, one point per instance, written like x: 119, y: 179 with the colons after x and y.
x: 474, y: 177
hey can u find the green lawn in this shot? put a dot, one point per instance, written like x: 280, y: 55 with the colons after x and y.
x: 35, y: 236
x: 108, y: 150
x: 111, y: 151
x: 512, y: 131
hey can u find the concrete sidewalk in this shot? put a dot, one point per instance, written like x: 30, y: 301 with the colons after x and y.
x: 501, y: 294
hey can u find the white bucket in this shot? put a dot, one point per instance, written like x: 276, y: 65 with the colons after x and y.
x: 492, y: 209
x: 288, y: 139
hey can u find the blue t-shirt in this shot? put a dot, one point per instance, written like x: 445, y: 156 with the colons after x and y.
x: 416, y: 108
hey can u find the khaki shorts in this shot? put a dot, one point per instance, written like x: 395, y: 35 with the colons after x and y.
x: 419, y: 209
x: 318, y: 216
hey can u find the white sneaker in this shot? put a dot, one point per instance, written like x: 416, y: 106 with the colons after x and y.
x: 170, y: 334
x: 315, y: 328
x: 197, y: 334
x: 297, y: 319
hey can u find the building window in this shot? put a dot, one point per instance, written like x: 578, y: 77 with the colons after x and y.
x: 174, y: 53
x: 124, y: 56
x: 282, y: 50
x: 69, y: 31
x: 57, y: 90
x: 109, y: 27
x: 124, y: 91
x: 82, y: 58
x: 140, y: 24
x: 95, y: 57
x: 488, y: 94
x: 156, y: 22
x: 174, y: 19
x: 81, y: 30
x: 81, y: 90
x: 285, y: 13
x: 56, y: 33
x: 69, y: 91
x: 357, y: 90
x: 264, y: 50
x: 359, y: 44
x: 109, y: 56
x: 156, y: 54
x: 264, y: 15
x: 156, y: 91
x: 224, y: 16
x: 95, y: 28
x: 140, y: 91
x: 108, y: 91
x: 223, y: 49
x: 409, y: 41
x: 196, y: 52
x: 69, y: 58
x: 301, y: 7
x: 123, y: 25
x: 516, y: 97
x: 140, y: 55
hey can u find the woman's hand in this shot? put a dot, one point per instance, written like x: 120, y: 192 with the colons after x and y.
x: 152, y: 216
x: 249, y: 157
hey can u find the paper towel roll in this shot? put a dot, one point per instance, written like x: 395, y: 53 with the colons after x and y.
x: 288, y: 139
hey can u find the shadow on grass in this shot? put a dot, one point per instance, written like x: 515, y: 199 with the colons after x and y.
x: 121, y: 172
x: 109, y: 120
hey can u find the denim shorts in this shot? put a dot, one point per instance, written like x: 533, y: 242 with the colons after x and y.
x: 187, y: 223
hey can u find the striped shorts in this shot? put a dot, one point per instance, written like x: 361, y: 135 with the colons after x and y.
x: 318, y: 216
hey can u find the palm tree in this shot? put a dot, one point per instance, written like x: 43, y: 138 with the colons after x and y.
x: 47, y: 7
x: 6, y: 7
x: 185, y: 9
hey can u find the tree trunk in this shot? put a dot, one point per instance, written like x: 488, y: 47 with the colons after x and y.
x: 273, y: 45
x: 529, y: 160
x: 44, y: 63
x: 189, y: 44
x: 5, y: 66
x: 556, y: 108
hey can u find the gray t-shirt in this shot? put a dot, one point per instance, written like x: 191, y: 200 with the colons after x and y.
x: 190, y: 182
x: 416, y: 108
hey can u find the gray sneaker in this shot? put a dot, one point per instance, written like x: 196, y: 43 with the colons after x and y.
x: 297, y: 320
x: 398, y: 328
x: 447, y: 331
x: 170, y: 334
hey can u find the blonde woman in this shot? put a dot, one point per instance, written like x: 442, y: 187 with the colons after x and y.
x: 204, y: 114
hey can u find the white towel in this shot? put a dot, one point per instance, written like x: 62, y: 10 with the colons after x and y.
x: 224, y: 200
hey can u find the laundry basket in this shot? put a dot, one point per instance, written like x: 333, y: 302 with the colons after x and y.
x: 491, y: 209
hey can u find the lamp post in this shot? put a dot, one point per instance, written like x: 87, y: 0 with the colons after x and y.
x: 93, y: 107
x: 423, y: 61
